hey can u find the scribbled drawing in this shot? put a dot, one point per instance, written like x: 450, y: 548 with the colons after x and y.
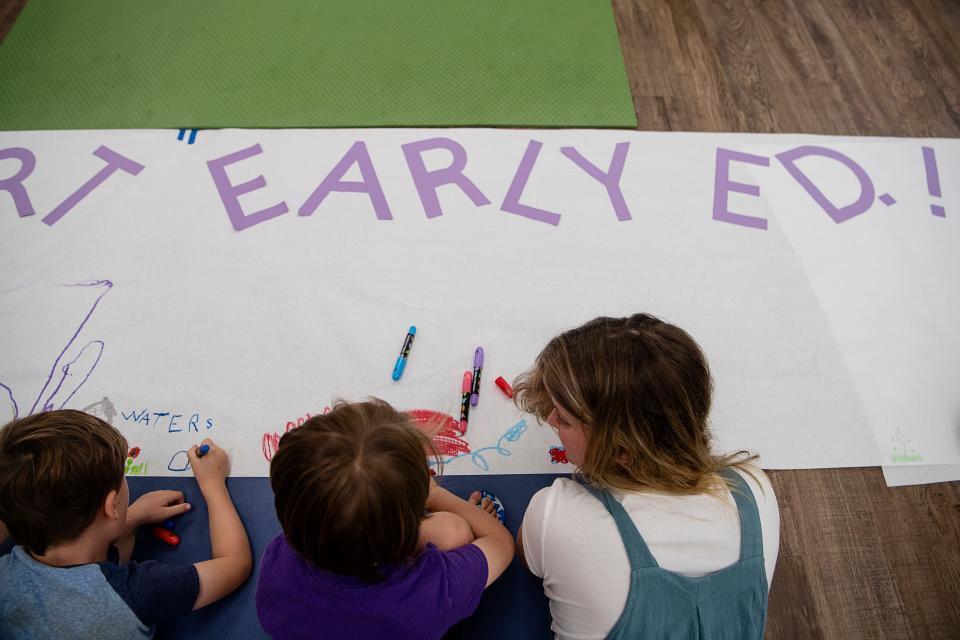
x: 132, y: 468
x: 104, y: 410
x: 478, y: 456
x: 67, y: 378
x: 558, y: 455
x: 444, y: 431
x: 271, y: 441
x: 179, y: 462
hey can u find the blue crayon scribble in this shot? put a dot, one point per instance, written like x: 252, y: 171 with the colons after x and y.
x: 179, y: 465
x: 512, y: 434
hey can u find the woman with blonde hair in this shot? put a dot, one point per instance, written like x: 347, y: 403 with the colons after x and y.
x: 655, y: 536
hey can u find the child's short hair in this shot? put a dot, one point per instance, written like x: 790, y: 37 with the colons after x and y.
x: 351, y: 488
x: 56, y: 468
x: 643, y: 387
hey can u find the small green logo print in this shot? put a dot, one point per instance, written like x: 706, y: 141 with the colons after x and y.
x: 902, y: 452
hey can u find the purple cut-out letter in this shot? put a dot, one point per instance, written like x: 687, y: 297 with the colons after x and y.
x: 114, y: 161
x: 722, y: 185
x: 933, y: 180
x: 511, y: 202
x: 370, y: 184
x: 839, y: 214
x: 428, y: 181
x: 230, y: 193
x: 610, y: 180
x: 14, y: 184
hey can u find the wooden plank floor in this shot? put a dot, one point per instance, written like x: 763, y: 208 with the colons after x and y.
x: 857, y: 559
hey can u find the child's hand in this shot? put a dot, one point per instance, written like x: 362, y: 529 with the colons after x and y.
x: 213, y: 467
x: 156, y: 506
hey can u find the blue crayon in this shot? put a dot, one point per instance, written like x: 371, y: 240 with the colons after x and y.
x: 203, y: 450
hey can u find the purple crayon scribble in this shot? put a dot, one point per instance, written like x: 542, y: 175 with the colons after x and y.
x: 13, y: 402
x: 94, y: 348
x: 887, y: 199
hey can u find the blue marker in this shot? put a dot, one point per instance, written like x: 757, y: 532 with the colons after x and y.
x: 203, y: 450
x: 404, y: 352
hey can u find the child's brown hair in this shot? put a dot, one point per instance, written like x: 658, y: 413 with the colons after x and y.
x: 351, y: 487
x: 56, y: 468
x: 643, y: 388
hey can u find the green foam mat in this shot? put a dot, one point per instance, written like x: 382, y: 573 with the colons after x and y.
x: 101, y: 64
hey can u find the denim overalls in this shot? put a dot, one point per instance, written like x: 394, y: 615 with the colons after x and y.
x: 730, y: 603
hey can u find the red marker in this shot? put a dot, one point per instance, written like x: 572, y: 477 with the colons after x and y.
x: 504, y: 386
x: 169, y: 537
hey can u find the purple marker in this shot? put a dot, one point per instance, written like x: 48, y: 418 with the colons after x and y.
x: 477, y: 369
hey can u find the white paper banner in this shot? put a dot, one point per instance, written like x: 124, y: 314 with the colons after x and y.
x: 174, y: 291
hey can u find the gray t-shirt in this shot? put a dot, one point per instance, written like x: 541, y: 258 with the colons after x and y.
x: 105, y: 600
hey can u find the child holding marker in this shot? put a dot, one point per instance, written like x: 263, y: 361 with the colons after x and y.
x: 65, y: 500
x: 359, y: 556
x: 656, y: 536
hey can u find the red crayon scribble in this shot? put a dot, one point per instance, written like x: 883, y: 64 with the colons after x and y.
x: 558, y: 454
x: 134, y: 452
x: 271, y: 441
x: 444, y: 431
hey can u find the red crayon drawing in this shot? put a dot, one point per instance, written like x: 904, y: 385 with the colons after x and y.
x: 134, y: 452
x: 271, y: 441
x: 444, y: 431
x: 558, y: 454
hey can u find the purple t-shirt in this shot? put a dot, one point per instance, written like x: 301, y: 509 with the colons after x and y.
x: 419, y: 601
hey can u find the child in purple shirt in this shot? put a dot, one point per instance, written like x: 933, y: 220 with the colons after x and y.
x: 360, y: 556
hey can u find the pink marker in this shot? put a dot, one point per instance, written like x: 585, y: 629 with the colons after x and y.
x: 465, y: 400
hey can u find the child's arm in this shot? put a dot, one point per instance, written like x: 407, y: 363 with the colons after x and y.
x: 492, y: 538
x: 445, y: 530
x: 149, y: 508
x: 231, y: 563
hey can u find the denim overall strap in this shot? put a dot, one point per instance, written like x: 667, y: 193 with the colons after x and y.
x: 637, y: 550
x: 751, y: 539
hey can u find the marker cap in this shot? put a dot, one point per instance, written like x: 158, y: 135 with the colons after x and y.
x: 169, y: 537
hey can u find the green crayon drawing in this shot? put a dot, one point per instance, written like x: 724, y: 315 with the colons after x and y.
x: 902, y: 452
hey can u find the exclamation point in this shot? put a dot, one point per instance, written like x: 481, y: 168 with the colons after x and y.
x: 933, y: 180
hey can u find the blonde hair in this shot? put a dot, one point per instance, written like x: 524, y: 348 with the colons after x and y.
x: 643, y: 389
